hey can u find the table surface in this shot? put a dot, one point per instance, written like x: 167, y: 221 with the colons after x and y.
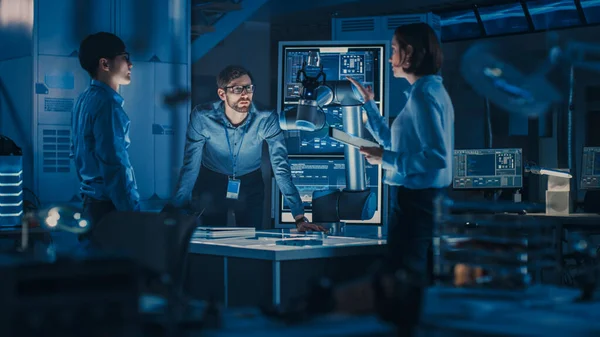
x: 264, y: 246
x: 575, y: 218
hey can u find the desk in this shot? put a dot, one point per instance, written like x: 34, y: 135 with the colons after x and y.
x: 578, y: 222
x: 248, y: 271
x: 578, y: 219
x: 540, y: 311
x: 543, y: 311
x: 249, y: 323
x: 10, y: 238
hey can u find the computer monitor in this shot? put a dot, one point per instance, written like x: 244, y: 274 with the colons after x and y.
x: 590, y: 168
x: 488, y: 169
x: 364, y: 61
x: 591, y: 10
x: 549, y: 14
x: 311, y: 174
x: 503, y: 19
x: 457, y: 25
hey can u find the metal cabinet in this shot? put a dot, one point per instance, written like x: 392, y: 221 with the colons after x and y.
x: 148, y: 29
x: 157, y: 130
x: 62, y: 24
x: 56, y: 176
x: 139, y: 106
x: 169, y: 128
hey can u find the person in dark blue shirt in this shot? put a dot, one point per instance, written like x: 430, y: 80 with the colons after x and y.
x: 223, y: 154
x: 100, y: 130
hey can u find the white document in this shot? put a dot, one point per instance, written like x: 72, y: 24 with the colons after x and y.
x: 348, y: 139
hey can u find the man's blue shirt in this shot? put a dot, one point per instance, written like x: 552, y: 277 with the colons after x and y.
x: 207, y: 145
x: 99, y: 142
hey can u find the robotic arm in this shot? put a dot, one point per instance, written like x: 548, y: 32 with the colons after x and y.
x: 355, y: 202
x: 484, y: 66
x: 580, y: 54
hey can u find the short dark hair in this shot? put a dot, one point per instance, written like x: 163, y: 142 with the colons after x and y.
x: 230, y: 73
x: 427, y: 57
x: 97, y: 46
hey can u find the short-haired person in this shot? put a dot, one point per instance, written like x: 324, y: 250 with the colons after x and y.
x: 100, y: 130
x: 223, y: 154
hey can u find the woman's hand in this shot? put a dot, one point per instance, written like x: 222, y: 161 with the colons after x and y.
x: 366, y: 93
x: 374, y: 155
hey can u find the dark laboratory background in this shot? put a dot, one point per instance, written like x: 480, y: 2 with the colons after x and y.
x: 515, y: 245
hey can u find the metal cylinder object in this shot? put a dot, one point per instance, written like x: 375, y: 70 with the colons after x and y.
x: 309, y: 117
x: 355, y: 163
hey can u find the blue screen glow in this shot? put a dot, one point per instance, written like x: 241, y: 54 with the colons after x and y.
x: 548, y: 14
x: 591, y: 10
x: 459, y: 25
x: 503, y: 19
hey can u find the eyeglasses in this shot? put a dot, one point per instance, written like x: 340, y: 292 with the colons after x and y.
x: 125, y: 54
x: 238, y: 89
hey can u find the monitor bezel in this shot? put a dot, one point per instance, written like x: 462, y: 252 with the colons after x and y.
x: 384, y: 107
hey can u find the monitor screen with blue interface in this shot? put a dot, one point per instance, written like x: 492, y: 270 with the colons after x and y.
x: 591, y: 10
x: 325, y: 173
x: 365, y: 63
x: 459, y: 25
x: 504, y: 19
x: 590, y: 168
x: 488, y: 168
x: 548, y: 14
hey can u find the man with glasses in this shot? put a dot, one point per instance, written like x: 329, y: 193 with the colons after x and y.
x: 100, y: 131
x: 221, y: 167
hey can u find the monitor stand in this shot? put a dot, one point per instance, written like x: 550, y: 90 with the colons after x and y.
x: 490, y: 195
x: 335, y: 228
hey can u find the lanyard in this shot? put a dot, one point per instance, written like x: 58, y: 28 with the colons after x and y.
x: 234, y: 158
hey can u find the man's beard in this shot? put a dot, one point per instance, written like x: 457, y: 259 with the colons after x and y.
x: 236, y: 106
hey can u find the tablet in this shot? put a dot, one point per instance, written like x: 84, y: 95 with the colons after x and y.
x: 348, y: 139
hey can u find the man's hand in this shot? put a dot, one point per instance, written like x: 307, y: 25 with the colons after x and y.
x: 303, y: 225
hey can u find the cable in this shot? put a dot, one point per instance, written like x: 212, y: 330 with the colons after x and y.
x: 489, y: 123
x: 570, y: 118
x: 38, y: 204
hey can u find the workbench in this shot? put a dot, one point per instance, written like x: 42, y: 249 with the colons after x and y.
x: 257, y: 270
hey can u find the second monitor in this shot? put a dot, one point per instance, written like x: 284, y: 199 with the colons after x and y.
x: 590, y: 168
x: 487, y: 169
x: 324, y: 173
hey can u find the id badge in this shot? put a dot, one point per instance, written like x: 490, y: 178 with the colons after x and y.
x: 233, y: 188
